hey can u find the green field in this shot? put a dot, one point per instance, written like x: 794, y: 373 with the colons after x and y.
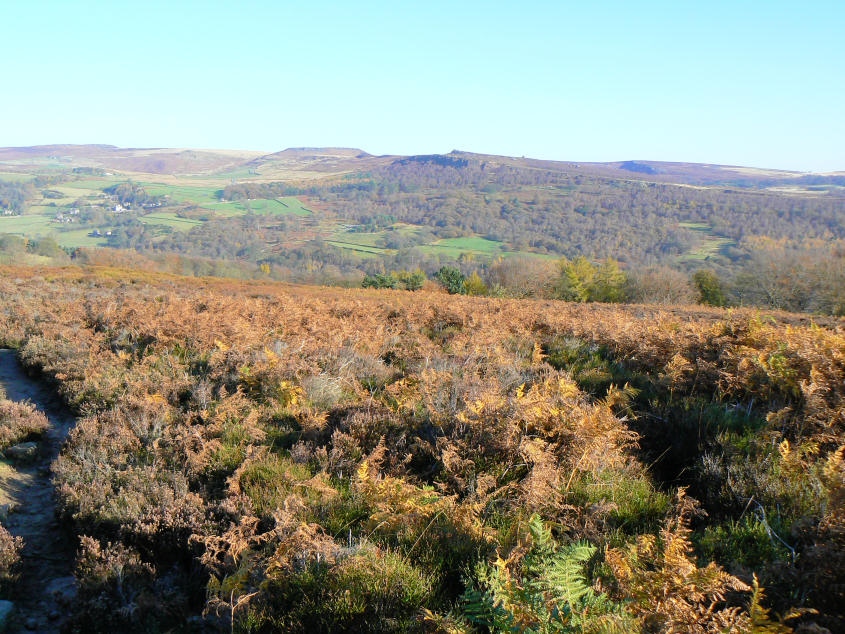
x: 369, y: 243
x: 278, y: 206
x: 14, y: 177
x: 71, y: 193
x: 183, y: 194
x: 360, y: 239
x: 93, y: 183
x: 480, y: 245
x: 30, y: 225
x: 454, y: 247
x: 711, y: 245
x: 78, y: 238
x: 171, y: 220
x: 38, y: 226
x: 44, y: 210
x: 358, y: 248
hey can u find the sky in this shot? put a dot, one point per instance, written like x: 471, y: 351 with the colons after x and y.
x: 737, y: 82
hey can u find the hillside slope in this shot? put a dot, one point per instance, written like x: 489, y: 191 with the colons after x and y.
x: 180, y: 161
x: 387, y: 460
x: 334, y: 215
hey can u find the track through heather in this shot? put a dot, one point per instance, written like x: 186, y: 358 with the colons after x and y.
x: 45, y: 586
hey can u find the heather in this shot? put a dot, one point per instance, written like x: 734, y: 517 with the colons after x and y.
x: 268, y: 457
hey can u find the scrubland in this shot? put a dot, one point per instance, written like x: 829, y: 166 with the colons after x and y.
x: 263, y: 457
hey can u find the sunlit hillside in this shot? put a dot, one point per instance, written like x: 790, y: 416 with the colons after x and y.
x: 336, y: 216
x: 261, y: 457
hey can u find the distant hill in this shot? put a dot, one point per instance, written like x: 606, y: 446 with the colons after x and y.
x: 333, y: 160
x: 131, y: 160
x: 335, y: 214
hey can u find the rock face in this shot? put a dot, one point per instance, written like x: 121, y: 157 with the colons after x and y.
x: 6, y: 510
x: 6, y: 609
x: 24, y: 452
x: 62, y: 590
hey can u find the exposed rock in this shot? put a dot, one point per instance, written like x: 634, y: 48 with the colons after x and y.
x: 24, y: 452
x: 62, y: 589
x: 7, y: 509
x: 6, y: 609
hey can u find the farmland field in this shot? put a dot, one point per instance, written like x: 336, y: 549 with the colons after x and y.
x: 29, y: 225
x: 94, y: 183
x: 710, y: 245
x: 360, y: 248
x: 14, y: 177
x: 37, y: 226
x: 78, y: 238
x: 371, y: 243
x: 456, y: 246
x: 170, y: 220
x: 196, y: 195
x: 366, y: 239
x: 287, y: 205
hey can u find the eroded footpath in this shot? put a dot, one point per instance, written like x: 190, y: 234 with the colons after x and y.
x: 45, y: 587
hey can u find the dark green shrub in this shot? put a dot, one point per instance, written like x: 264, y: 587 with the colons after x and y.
x: 709, y: 287
x: 588, y: 363
x: 380, y: 280
x: 452, y: 280
x: 408, y: 280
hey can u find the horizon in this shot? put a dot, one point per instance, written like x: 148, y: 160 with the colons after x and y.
x: 263, y: 152
x: 719, y: 85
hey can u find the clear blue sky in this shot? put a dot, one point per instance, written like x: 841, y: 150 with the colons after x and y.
x: 739, y: 82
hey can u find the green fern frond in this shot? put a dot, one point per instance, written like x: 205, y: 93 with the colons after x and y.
x: 541, y: 535
x: 761, y: 622
x: 547, y: 592
x: 562, y: 577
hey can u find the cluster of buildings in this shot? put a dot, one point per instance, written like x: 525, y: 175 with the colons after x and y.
x: 67, y: 216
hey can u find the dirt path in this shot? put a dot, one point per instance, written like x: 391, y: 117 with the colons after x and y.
x: 46, y: 581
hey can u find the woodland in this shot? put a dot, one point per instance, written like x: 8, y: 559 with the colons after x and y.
x: 768, y: 246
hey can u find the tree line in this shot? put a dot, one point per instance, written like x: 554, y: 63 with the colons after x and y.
x: 796, y: 282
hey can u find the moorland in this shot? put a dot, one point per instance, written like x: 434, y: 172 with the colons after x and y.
x: 254, y: 456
